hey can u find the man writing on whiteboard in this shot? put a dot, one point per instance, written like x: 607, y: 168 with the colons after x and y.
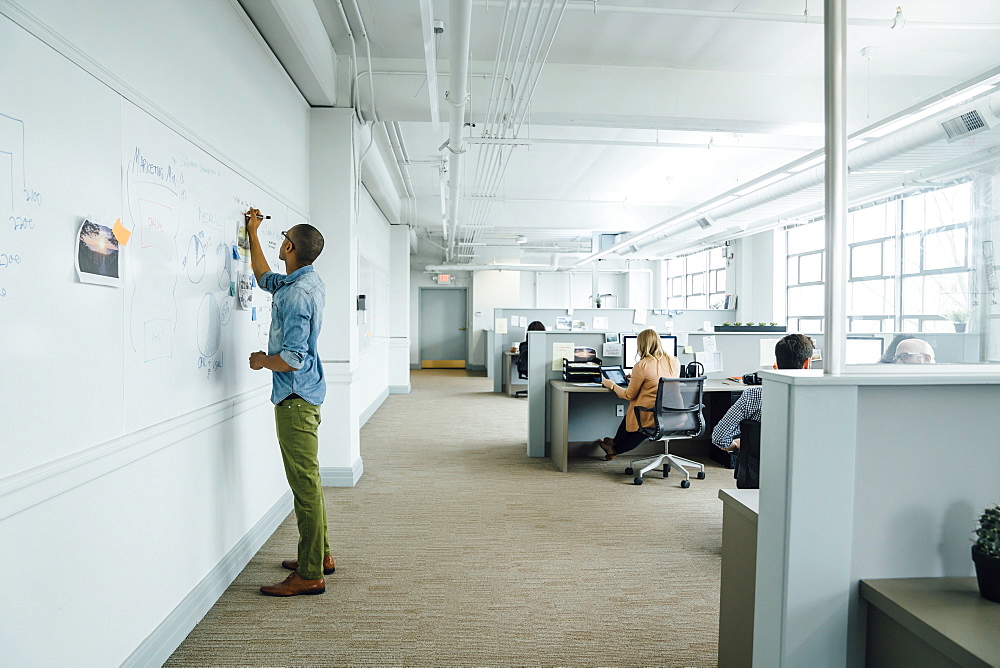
x: 297, y: 391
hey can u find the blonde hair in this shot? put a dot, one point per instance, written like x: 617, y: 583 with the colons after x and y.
x: 648, y: 344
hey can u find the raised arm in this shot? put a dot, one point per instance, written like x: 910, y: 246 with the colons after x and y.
x: 257, y: 260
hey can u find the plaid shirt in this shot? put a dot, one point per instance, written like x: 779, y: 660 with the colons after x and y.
x: 747, y: 407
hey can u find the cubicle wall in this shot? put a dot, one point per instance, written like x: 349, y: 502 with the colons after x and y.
x: 540, y: 372
x: 865, y: 476
x: 619, y: 320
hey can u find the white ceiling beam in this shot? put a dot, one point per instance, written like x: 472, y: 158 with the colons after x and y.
x: 294, y: 31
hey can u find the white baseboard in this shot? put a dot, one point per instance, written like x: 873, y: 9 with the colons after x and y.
x: 399, y: 389
x: 373, y: 406
x: 167, y: 637
x: 342, y: 476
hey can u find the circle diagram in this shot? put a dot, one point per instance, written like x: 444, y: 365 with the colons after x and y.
x: 209, y: 325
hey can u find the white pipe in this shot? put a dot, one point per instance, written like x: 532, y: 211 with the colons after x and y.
x: 595, y: 7
x: 354, y: 60
x: 368, y: 48
x: 511, y: 141
x: 460, y: 19
x: 552, y: 266
x: 835, y: 98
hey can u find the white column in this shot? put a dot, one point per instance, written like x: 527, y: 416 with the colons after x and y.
x: 835, y: 321
x: 399, y: 298
x: 332, y: 207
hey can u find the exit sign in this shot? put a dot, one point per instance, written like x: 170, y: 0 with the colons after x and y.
x: 443, y: 278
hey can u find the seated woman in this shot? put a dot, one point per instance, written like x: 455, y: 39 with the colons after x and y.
x: 653, y: 363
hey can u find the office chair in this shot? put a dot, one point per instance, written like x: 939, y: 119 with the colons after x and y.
x: 522, y: 368
x: 748, y: 456
x: 677, y: 413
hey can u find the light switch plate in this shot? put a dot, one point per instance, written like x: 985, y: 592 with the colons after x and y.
x: 620, y: 410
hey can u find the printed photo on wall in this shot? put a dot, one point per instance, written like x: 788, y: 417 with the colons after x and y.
x: 244, y: 289
x: 563, y: 322
x: 242, y: 239
x: 97, y: 257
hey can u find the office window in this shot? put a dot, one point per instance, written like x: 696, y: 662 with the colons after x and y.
x: 908, y: 265
x: 696, y: 281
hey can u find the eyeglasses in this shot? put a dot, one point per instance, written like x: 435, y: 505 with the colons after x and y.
x: 921, y: 357
x: 284, y: 233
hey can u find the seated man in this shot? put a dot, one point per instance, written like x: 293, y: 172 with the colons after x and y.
x: 914, y: 351
x: 792, y: 352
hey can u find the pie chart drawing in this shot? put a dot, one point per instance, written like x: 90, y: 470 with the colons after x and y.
x: 209, y: 325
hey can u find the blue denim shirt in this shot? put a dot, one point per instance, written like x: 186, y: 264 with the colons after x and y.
x: 296, y: 318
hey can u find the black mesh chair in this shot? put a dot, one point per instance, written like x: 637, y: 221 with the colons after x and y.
x: 748, y: 456
x: 677, y: 414
x: 522, y: 367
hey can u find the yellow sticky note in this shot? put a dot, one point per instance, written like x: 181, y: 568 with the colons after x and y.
x: 688, y: 350
x: 121, y: 234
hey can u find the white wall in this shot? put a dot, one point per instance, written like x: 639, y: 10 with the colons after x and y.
x: 186, y: 502
x: 490, y: 289
x: 755, y: 280
x: 374, y: 245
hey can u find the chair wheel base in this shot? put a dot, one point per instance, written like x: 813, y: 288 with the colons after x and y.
x: 701, y: 475
x: 638, y: 481
x: 685, y: 483
x: 629, y: 471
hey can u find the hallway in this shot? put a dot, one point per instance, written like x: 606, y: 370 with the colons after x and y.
x: 456, y: 549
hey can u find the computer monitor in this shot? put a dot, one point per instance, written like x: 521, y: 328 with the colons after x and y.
x: 864, y: 349
x: 631, y: 348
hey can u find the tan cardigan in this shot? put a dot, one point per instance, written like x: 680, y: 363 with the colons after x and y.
x: 641, y: 390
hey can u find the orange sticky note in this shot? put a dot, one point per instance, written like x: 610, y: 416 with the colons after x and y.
x: 121, y: 234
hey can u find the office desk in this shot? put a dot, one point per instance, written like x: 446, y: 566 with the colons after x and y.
x: 561, y: 394
x: 511, y: 382
x: 930, y: 622
x: 737, y: 590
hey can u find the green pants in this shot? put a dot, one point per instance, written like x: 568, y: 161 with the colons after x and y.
x: 297, y: 423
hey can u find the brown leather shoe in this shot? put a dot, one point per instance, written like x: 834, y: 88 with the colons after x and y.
x: 608, y: 445
x: 293, y: 565
x: 294, y: 585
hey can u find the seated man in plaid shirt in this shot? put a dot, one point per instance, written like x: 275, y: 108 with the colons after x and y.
x: 792, y: 352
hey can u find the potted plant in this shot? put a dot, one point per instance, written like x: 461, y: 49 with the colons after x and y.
x: 750, y: 327
x: 960, y: 318
x: 986, y: 554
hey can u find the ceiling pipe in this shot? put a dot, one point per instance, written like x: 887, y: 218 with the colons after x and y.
x: 460, y: 26
x: 552, y: 266
x: 595, y: 8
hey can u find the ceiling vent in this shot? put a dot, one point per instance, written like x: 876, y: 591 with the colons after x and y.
x: 704, y: 222
x: 965, y: 125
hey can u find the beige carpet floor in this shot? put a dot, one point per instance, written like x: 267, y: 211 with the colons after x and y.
x: 456, y: 549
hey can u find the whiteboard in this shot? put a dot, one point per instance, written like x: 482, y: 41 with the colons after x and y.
x: 184, y: 328
x: 86, y: 363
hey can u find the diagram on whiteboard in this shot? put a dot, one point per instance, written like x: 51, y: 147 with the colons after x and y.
x: 18, y: 203
x: 152, y: 199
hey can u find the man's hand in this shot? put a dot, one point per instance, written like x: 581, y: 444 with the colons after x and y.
x: 606, y: 383
x: 735, y: 445
x: 254, y: 219
x: 257, y: 360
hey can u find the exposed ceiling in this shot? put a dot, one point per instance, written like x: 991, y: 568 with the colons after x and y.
x: 643, y: 109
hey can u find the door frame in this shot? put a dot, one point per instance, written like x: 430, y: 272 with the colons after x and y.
x: 420, y: 322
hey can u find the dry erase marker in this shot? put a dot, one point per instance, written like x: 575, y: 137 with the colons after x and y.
x: 247, y: 215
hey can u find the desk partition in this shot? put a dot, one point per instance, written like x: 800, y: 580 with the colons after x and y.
x: 619, y: 320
